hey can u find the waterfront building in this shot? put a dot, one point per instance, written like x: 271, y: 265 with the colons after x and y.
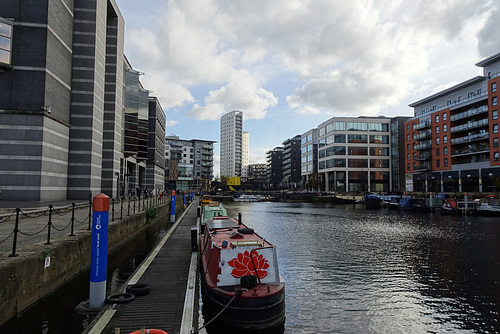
x: 398, y: 153
x: 245, y: 154
x: 74, y: 116
x: 308, y: 154
x: 274, y: 172
x: 354, y: 154
x: 452, y: 142
x: 189, y: 163
x: 291, y: 178
x: 155, y: 166
x: 257, y: 175
x: 231, y: 137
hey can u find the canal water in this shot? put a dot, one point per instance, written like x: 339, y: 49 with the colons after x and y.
x: 352, y: 270
x: 347, y: 270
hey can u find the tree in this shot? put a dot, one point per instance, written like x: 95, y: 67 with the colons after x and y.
x: 313, y: 181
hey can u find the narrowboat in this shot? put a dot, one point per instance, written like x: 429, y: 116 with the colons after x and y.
x: 240, y: 281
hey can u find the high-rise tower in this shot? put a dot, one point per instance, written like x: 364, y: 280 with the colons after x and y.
x: 231, y: 133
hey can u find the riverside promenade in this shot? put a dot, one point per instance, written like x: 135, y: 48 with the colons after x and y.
x: 170, y: 273
x: 172, y: 278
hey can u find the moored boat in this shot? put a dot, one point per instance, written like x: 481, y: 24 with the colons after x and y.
x: 488, y: 206
x: 453, y: 206
x: 373, y: 202
x: 212, y: 209
x: 246, y: 198
x: 240, y: 277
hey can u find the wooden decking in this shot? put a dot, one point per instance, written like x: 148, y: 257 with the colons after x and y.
x: 166, y: 271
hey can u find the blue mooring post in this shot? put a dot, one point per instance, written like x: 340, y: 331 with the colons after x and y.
x: 184, y: 200
x: 172, y: 207
x: 99, y: 251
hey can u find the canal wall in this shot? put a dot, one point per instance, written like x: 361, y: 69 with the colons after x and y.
x: 29, y: 278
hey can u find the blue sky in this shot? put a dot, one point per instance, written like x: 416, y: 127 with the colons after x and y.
x: 292, y: 64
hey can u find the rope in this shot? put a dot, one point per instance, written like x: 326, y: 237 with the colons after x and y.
x: 4, y: 240
x: 236, y: 294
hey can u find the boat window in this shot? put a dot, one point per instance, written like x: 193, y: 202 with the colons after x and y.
x: 221, y: 223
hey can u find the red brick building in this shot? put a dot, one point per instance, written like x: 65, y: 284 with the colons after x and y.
x: 452, y: 142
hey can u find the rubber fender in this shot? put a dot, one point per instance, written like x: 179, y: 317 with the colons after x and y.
x: 120, y: 298
x: 139, y: 289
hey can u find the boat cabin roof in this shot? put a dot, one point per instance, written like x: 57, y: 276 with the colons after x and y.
x: 222, y: 223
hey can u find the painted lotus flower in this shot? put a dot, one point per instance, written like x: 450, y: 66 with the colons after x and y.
x: 242, y: 265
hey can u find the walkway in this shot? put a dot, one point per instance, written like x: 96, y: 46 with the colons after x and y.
x: 170, y: 272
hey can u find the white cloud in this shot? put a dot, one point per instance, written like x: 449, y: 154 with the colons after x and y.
x: 345, y: 58
x: 172, y: 123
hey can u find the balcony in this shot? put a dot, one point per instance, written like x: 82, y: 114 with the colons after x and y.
x: 423, y: 135
x: 470, y: 125
x: 422, y: 125
x: 476, y: 149
x: 469, y: 113
x: 423, y: 157
x: 423, y: 146
x: 471, y: 138
x: 423, y: 168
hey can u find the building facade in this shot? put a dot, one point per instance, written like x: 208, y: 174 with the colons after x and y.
x: 354, y: 154
x: 308, y: 154
x: 452, y: 142
x: 189, y: 163
x: 291, y: 163
x: 274, y: 161
x: 245, y: 154
x: 257, y: 176
x: 231, y: 143
x: 67, y: 92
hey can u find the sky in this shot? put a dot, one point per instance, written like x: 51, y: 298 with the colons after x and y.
x: 290, y: 65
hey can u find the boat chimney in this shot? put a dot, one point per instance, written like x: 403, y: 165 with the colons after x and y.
x: 239, y: 218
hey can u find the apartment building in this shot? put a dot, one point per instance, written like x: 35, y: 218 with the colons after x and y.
x: 257, y: 176
x: 189, y: 163
x: 308, y: 154
x: 245, y: 154
x: 231, y: 146
x: 452, y: 142
x: 291, y: 178
x: 274, y: 162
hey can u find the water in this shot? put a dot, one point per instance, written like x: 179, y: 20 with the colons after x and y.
x: 347, y: 270
x: 350, y: 270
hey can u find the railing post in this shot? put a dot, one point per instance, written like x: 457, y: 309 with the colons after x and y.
x: 49, y: 224
x: 121, y: 209
x: 128, y: 209
x: 113, y: 210
x: 90, y: 211
x: 72, y: 218
x: 16, y: 230
x: 134, y: 205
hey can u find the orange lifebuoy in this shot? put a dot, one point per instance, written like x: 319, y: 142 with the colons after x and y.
x: 150, y: 331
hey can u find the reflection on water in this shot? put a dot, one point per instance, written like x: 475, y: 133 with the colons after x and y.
x: 352, y: 270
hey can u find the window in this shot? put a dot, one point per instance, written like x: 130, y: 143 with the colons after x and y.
x: 407, y: 127
x: 495, y: 128
x: 407, y: 147
x: 381, y: 127
x: 437, y: 118
x: 445, y: 139
x: 408, y: 166
x: 437, y: 140
x: 381, y: 139
x: 408, y: 157
x: 445, y: 127
x: 357, y: 138
x: 495, y: 142
x: 493, y: 87
x: 438, y: 163
x: 494, y: 101
x: 437, y: 129
x: 445, y: 150
x: 445, y: 162
x: 355, y: 126
x: 495, y: 156
x: 444, y: 116
x: 408, y: 137
x: 437, y: 152
x: 494, y: 114
x: 5, y: 42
